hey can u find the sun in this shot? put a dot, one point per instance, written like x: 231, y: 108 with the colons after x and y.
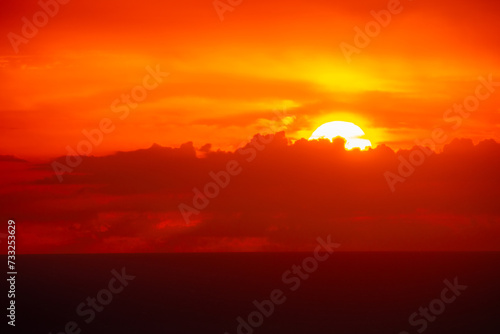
x: 347, y: 130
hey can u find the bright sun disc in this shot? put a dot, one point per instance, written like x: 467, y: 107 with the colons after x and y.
x: 347, y: 130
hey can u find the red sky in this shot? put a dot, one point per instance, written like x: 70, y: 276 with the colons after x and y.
x: 226, y: 81
x: 227, y: 77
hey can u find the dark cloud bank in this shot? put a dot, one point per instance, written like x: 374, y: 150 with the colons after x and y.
x: 271, y: 195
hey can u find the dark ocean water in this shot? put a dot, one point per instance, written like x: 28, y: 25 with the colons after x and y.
x: 353, y: 293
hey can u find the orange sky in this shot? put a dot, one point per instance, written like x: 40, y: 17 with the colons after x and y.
x: 103, y: 77
x: 227, y: 77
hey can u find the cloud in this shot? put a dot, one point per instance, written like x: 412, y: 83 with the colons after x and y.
x: 10, y: 158
x: 285, y: 196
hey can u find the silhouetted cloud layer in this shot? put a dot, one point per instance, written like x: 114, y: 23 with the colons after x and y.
x: 280, y: 196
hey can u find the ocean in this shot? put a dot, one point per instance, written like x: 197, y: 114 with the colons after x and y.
x: 347, y: 293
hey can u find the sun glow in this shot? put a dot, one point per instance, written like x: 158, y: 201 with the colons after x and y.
x: 347, y: 130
